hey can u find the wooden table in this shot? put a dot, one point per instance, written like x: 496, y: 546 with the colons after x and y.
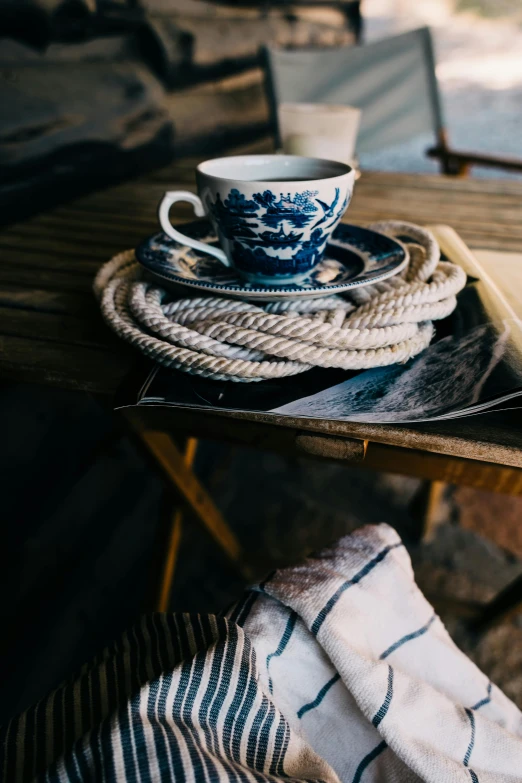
x: 51, y: 332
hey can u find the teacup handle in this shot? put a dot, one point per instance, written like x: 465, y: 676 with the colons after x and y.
x: 167, y: 201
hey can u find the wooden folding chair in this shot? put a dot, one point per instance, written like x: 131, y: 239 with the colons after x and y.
x: 392, y: 80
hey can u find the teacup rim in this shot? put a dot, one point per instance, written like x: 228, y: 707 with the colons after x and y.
x: 345, y: 169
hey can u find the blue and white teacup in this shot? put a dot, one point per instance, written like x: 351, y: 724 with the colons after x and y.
x: 273, y: 214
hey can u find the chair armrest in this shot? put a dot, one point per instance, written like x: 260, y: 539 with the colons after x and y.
x: 456, y: 161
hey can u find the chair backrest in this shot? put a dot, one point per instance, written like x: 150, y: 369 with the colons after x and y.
x: 392, y: 80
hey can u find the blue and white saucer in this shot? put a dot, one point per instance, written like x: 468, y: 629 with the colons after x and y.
x: 354, y: 257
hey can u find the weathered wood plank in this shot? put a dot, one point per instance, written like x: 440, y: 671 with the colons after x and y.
x: 42, y: 245
x: 44, y: 278
x: 493, y: 437
x: 506, y: 212
x: 69, y: 367
x: 345, y: 449
x: 42, y: 301
x: 114, y: 222
x: 79, y: 223
x: 37, y: 254
x: 498, y: 187
x: 387, y: 192
x: 424, y: 217
x: 111, y: 216
x: 479, y: 217
x: 44, y: 327
x: 447, y: 470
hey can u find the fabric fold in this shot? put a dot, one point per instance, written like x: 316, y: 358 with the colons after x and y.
x: 337, y: 669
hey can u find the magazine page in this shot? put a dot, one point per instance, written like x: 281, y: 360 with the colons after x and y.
x: 477, y: 363
x: 474, y: 362
x: 457, y: 375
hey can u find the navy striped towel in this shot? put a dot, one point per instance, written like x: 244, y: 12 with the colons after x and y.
x: 337, y: 669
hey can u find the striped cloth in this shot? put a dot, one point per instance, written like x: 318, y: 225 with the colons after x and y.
x: 334, y: 670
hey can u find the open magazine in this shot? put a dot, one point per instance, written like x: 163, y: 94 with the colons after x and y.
x: 473, y: 364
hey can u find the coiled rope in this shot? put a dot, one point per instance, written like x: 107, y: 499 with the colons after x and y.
x: 226, y: 339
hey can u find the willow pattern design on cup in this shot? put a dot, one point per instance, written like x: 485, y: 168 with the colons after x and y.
x: 266, y: 229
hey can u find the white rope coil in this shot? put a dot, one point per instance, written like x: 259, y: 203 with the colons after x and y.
x: 234, y: 340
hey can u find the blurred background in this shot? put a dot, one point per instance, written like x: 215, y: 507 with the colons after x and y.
x: 94, y: 92
x: 479, y: 69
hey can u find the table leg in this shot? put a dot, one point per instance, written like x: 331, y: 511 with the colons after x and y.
x: 426, y: 508
x: 178, y: 473
x: 174, y: 540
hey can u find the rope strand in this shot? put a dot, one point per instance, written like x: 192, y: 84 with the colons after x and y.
x: 234, y: 340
